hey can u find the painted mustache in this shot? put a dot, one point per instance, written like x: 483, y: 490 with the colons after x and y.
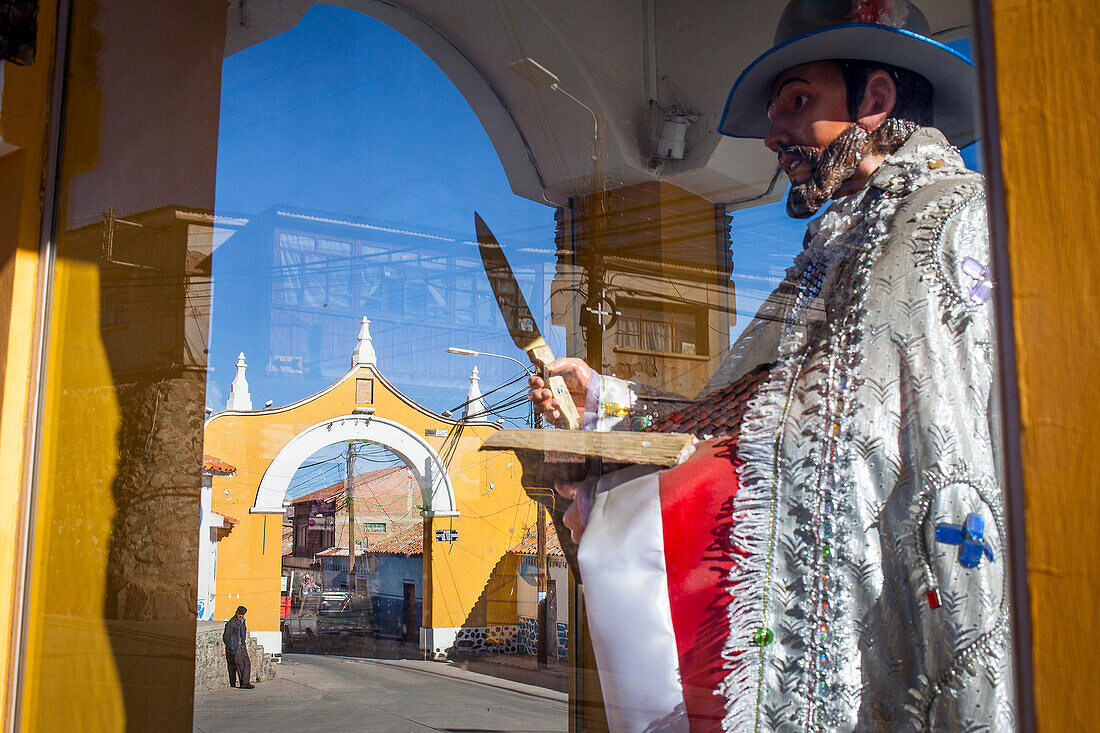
x: 811, y: 156
x: 831, y: 166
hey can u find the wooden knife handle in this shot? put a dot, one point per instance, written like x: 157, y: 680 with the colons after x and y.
x: 570, y: 420
x: 540, y: 355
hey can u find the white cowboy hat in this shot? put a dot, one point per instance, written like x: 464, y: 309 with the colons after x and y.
x: 815, y: 30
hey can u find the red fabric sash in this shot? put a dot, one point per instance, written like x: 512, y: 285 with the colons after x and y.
x: 696, y: 510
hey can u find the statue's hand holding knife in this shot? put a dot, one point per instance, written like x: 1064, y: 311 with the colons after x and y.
x: 522, y: 326
x: 560, y: 405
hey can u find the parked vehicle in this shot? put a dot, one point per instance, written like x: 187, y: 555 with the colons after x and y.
x: 328, y: 612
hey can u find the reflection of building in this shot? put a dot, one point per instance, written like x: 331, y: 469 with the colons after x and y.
x: 212, y: 527
x: 392, y: 573
x: 302, y: 280
x: 384, y: 502
x: 470, y: 503
x: 527, y: 595
x: 154, y: 287
x: 653, y: 277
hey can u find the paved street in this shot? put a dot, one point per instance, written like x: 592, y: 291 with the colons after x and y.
x: 340, y: 693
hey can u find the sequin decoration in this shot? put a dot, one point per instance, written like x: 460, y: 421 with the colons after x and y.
x: 822, y: 536
x: 612, y: 409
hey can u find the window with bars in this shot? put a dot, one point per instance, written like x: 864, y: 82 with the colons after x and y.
x: 661, y: 328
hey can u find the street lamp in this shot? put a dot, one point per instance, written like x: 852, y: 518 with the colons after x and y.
x: 536, y: 419
x: 540, y: 77
x: 540, y: 525
x: 471, y: 352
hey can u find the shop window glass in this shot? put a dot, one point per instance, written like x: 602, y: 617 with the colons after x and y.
x: 299, y: 218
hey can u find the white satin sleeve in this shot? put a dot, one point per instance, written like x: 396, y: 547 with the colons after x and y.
x: 621, y: 556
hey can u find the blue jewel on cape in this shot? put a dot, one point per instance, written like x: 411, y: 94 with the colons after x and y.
x: 970, y: 537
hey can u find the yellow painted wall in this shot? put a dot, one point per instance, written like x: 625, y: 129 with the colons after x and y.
x: 494, y: 511
x: 104, y: 653
x: 471, y: 576
x: 24, y: 114
x: 68, y: 635
x: 1047, y: 57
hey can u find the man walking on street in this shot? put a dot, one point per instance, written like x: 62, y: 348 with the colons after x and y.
x: 235, y: 637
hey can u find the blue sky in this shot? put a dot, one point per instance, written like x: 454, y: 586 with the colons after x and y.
x: 344, y: 115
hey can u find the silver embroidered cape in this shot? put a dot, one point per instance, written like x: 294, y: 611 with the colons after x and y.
x: 871, y: 479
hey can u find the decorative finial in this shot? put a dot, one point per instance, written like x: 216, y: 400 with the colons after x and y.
x: 239, y: 399
x: 475, y: 407
x: 364, y: 347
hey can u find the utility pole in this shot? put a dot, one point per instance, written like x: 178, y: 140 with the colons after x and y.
x: 540, y: 569
x: 544, y: 600
x: 595, y: 213
x: 349, y: 493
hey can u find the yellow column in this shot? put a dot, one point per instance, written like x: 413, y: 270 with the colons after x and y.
x: 110, y: 593
x: 1046, y: 61
x: 24, y: 117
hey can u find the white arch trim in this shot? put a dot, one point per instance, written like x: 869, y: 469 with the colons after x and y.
x: 425, y: 463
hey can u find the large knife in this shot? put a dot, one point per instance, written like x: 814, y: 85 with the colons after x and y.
x: 517, y: 316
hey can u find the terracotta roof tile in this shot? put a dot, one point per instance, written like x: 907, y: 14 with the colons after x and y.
x: 385, y: 487
x: 529, y: 545
x: 718, y: 414
x: 407, y: 542
x: 214, y: 466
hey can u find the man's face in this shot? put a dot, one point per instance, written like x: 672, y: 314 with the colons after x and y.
x: 808, y: 109
x: 240, y: 617
x: 823, y: 152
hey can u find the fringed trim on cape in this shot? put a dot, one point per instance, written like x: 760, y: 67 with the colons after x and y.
x: 753, y: 535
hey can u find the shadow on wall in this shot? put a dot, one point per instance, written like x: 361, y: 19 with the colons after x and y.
x: 491, y: 625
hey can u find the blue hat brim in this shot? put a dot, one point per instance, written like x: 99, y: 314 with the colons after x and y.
x: 951, y: 74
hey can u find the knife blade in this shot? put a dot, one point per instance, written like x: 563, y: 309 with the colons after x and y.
x: 522, y: 326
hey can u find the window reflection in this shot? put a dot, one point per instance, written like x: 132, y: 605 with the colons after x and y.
x: 350, y: 308
x: 332, y: 260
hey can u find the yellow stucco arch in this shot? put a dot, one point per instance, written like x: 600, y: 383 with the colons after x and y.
x: 477, y: 494
x: 417, y: 453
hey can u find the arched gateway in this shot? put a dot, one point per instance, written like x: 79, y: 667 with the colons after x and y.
x: 417, y: 453
x: 473, y: 508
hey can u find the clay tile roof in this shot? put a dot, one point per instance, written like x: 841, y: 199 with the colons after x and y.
x: 529, y: 545
x: 382, y: 485
x: 214, y: 466
x: 407, y: 542
x: 718, y: 414
x: 337, y: 552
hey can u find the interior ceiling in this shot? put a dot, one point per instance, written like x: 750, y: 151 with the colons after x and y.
x: 598, y: 50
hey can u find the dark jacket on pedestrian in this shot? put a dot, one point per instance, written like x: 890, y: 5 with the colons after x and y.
x: 234, y: 635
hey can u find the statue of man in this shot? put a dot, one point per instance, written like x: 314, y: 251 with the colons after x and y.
x: 833, y: 551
